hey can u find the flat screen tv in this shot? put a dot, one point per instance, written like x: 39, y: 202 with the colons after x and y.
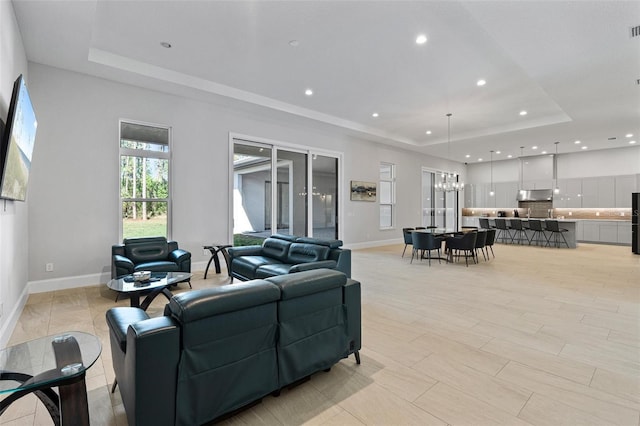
x: 16, y: 147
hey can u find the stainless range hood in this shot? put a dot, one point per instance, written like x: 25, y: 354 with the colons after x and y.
x: 535, y: 195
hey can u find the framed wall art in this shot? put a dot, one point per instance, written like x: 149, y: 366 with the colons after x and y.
x: 363, y: 191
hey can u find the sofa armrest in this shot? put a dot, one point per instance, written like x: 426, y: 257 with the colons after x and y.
x: 244, y: 251
x: 329, y: 264
x: 121, y: 266
x: 151, y: 368
x: 182, y: 258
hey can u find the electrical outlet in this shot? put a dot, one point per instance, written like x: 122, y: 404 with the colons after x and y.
x: 48, y: 267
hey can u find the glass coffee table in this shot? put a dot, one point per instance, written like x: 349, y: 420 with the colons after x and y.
x: 159, y: 283
x: 59, y: 360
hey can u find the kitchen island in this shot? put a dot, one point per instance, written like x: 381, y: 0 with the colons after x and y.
x: 568, y: 224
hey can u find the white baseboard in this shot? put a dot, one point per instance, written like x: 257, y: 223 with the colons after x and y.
x: 12, y: 318
x: 369, y: 244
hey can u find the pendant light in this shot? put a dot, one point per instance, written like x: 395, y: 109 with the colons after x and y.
x: 491, y: 192
x: 449, y: 181
x: 556, y: 189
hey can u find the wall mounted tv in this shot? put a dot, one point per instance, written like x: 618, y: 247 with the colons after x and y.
x: 16, y: 145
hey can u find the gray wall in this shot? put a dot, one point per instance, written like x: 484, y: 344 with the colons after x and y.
x: 73, y: 215
x: 13, y: 215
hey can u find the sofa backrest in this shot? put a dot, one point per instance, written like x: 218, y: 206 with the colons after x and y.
x: 276, y: 248
x: 312, y: 324
x: 332, y: 244
x: 148, y: 249
x: 228, y: 336
x: 303, y: 253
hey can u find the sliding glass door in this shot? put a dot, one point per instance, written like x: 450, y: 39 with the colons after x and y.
x: 439, y: 208
x: 305, y: 192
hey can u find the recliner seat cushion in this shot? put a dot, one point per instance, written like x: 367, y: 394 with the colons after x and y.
x: 157, y: 266
x: 247, y: 265
x: 272, y: 270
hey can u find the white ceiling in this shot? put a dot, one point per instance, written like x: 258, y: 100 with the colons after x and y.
x: 572, y: 65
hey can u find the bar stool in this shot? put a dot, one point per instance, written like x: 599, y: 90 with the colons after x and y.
x: 484, y: 223
x: 501, y: 226
x: 518, y: 230
x: 553, y: 227
x: 536, y: 226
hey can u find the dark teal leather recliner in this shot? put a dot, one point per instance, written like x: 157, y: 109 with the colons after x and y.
x: 219, y: 349
x: 148, y: 254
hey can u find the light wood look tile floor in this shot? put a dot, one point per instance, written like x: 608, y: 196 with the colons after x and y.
x: 536, y: 336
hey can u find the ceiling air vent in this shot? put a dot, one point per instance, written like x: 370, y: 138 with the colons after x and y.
x: 635, y: 31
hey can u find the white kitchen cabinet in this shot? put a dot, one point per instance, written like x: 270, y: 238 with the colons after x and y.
x: 608, y: 232
x: 469, y: 195
x: 624, y: 233
x: 589, y: 192
x: 591, y: 231
x: 625, y: 185
x: 570, y: 195
x: 606, y: 192
x: 580, y: 230
x: 470, y: 221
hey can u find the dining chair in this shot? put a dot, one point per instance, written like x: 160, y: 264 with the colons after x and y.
x: 425, y: 242
x: 491, y: 237
x: 406, y: 233
x: 481, y: 240
x: 465, y: 243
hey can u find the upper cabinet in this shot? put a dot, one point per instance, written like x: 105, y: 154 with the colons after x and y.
x: 625, y: 186
x: 570, y: 195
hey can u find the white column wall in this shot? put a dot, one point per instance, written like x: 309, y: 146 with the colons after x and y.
x: 13, y: 214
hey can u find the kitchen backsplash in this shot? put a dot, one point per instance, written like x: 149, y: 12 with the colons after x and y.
x: 566, y: 213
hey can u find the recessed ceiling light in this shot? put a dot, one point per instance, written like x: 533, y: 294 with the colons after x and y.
x: 632, y: 142
x: 375, y: 115
x: 481, y: 82
x: 509, y: 156
x: 165, y: 45
x: 523, y: 112
x: 498, y: 152
x: 294, y: 43
x: 577, y: 142
x: 428, y: 132
x: 479, y: 159
x: 421, y: 39
x: 534, y: 147
x: 308, y: 92
x: 544, y: 152
x: 629, y: 135
x: 467, y: 156
x: 585, y: 147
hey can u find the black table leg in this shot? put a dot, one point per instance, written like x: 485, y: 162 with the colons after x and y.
x: 74, y: 408
x: 160, y: 290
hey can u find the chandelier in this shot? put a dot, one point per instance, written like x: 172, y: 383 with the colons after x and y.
x: 449, y: 182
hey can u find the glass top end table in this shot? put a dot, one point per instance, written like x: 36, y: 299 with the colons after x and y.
x: 38, y: 365
x: 159, y: 283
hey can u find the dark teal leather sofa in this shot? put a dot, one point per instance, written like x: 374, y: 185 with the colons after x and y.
x: 284, y: 254
x: 218, y: 349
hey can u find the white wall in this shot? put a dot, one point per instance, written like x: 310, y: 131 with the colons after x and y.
x: 13, y: 215
x: 73, y: 218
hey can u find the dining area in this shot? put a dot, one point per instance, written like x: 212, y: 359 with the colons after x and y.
x: 430, y: 243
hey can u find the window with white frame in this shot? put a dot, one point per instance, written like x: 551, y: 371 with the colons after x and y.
x: 144, y: 180
x: 387, y: 194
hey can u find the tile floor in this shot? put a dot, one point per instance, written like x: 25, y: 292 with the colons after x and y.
x: 536, y: 336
